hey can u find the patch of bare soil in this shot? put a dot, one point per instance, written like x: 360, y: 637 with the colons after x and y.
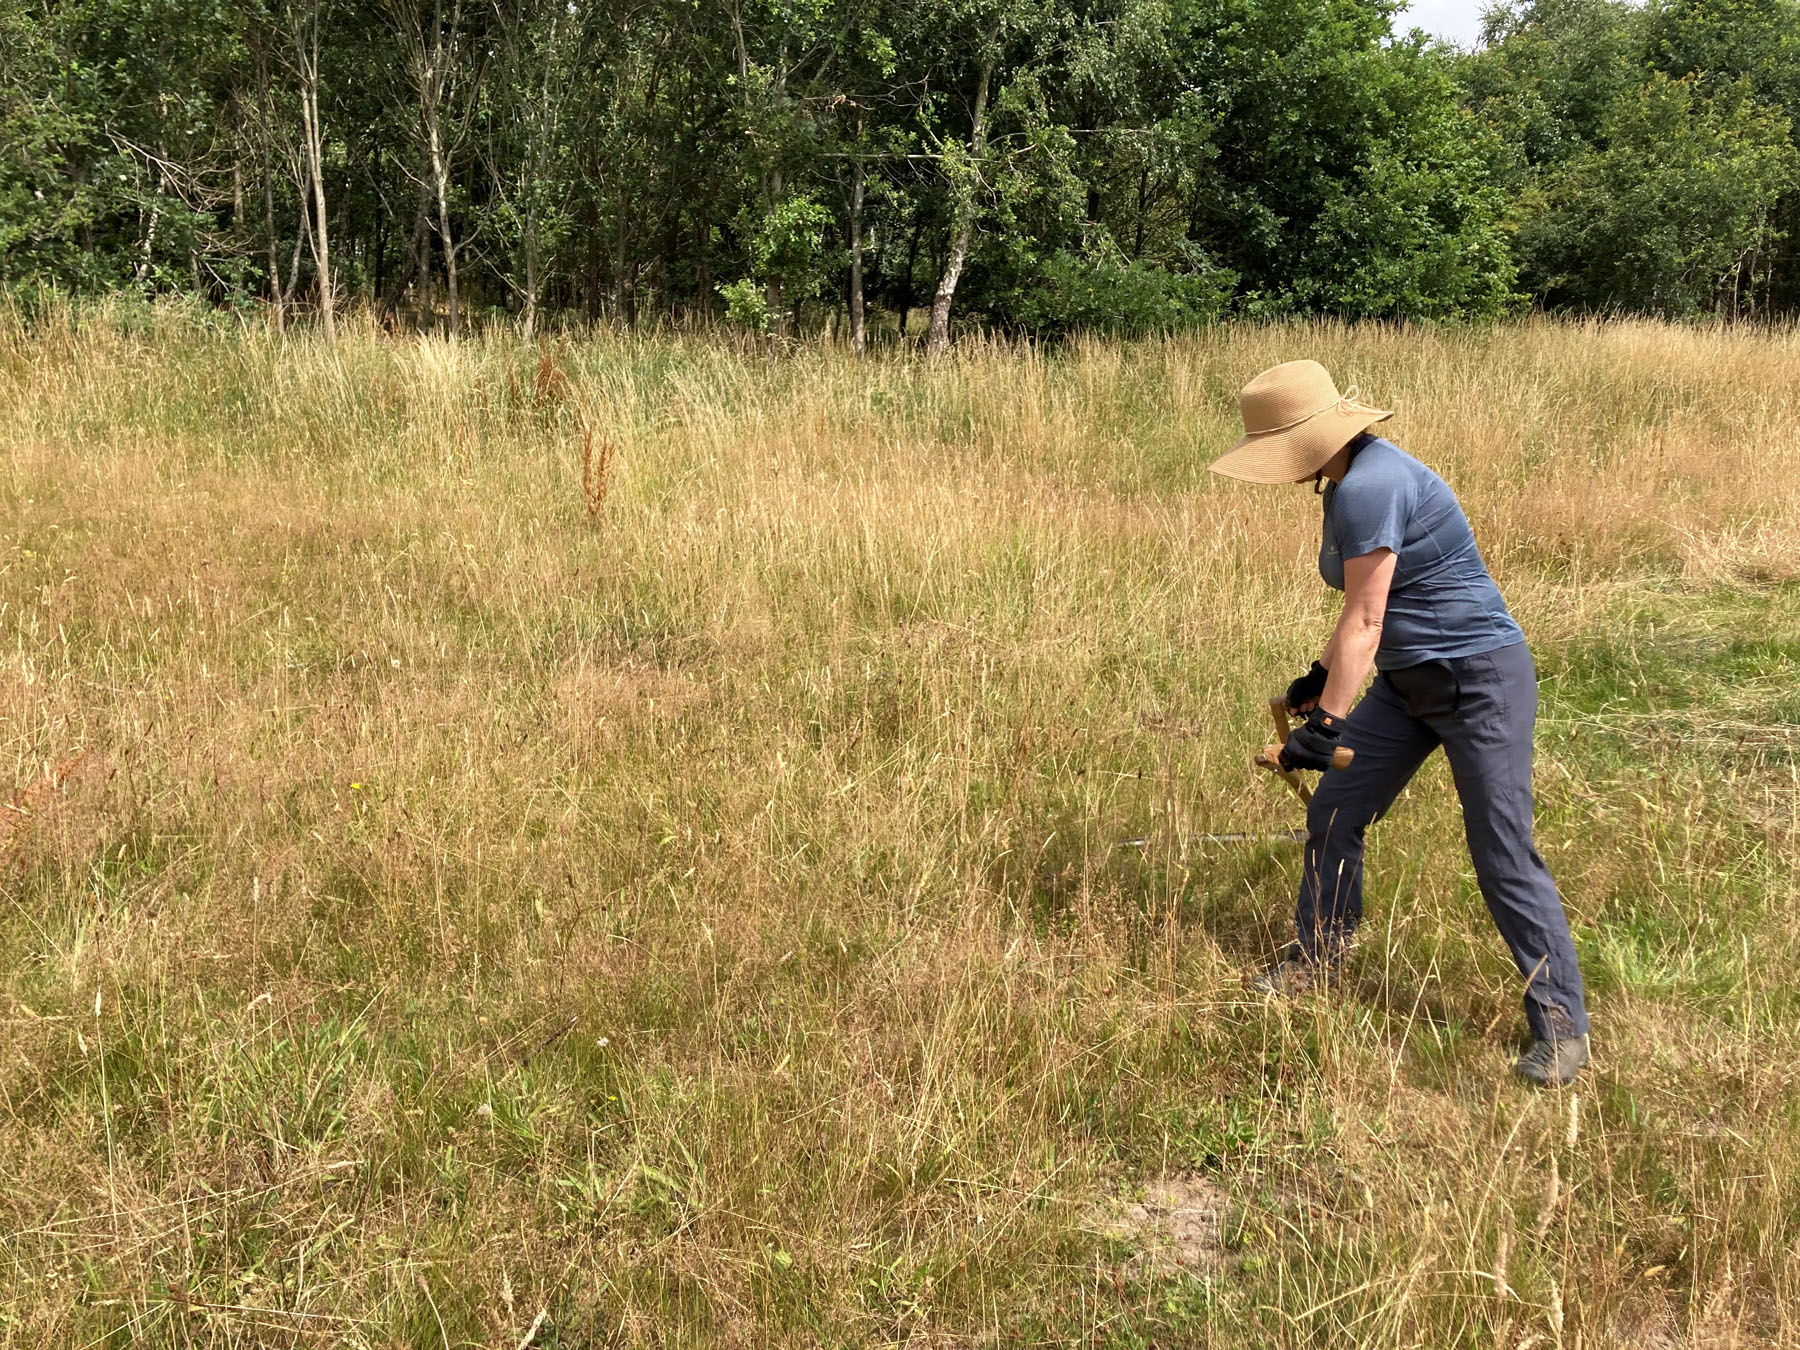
x: 1178, y: 1223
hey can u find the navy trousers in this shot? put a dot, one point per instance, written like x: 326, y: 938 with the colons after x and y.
x: 1481, y: 709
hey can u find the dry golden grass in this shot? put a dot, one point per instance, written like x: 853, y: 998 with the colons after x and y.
x: 682, y: 895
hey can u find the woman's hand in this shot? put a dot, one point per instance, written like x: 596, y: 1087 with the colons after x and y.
x: 1352, y: 649
x: 1310, y: 745
x: 1304, y: 692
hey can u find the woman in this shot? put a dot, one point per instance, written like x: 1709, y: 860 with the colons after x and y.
x: 1451, y: 668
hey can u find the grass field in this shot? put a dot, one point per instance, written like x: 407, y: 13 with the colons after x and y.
x: 446, y: 903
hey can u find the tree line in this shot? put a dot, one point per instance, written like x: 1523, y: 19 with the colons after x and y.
x: 1032, y: 165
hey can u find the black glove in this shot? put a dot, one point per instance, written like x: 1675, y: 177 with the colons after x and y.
x: 1310, y: 744
x: 1307, y: 688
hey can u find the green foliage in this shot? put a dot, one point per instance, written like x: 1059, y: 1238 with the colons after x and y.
x: 746, y: 304
x: 1106, y: 292
x: 1416, y: 227
x: 1412, y: 239
x: 1648, y: 151
x: 788, y: 244
x: 1728, y: 40
x: 1139, y: 164
x: 1550, y: 75
x: 54, y: 183
x: 1672, y: 215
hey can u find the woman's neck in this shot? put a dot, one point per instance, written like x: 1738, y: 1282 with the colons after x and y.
x: 1339, y: 464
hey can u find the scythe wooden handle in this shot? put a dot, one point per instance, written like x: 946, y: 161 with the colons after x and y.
x: 1278, y: 714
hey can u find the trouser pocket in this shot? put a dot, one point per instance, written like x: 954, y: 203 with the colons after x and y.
x: 1430, y: 689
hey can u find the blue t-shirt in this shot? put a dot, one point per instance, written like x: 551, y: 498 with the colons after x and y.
x: 1442, y: 604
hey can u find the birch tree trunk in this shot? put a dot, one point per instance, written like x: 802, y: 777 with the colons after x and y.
x: 440, y: 183
x: 306, y: 52
x: 621, y: 240
x: 858, y: 182
x: 556, y: 85
x: 437, y: 48
x: 421, y: 255
x: 529, y: 317
x: 277, y: 297
x: 772, y: 287
x: 265, y: 144
x: 302, y: 237
x: 937, y: 337
x: 146, y: 249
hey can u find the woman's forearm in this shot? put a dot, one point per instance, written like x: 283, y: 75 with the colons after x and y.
x: 1351, y: 650
x: 1348, y: 657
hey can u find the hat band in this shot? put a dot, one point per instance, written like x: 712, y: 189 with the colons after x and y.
x: 1344, y: 403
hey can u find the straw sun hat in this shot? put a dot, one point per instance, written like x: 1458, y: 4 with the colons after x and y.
x: 1294, y: 422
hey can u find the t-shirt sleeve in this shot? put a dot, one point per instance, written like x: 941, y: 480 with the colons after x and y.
x: 1371, y: 511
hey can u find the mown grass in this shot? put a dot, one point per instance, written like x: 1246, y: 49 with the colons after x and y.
x: 710, y: 919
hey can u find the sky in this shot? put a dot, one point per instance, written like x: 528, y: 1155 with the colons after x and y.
x: 1457, y: 20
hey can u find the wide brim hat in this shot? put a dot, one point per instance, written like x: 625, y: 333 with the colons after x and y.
x: 1294, y: 422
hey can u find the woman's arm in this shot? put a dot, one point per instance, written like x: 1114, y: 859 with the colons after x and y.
x: 1351, y: 651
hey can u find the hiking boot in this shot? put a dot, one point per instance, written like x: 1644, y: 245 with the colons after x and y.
x: 1294, y: 974
x: 1553, y: 1063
